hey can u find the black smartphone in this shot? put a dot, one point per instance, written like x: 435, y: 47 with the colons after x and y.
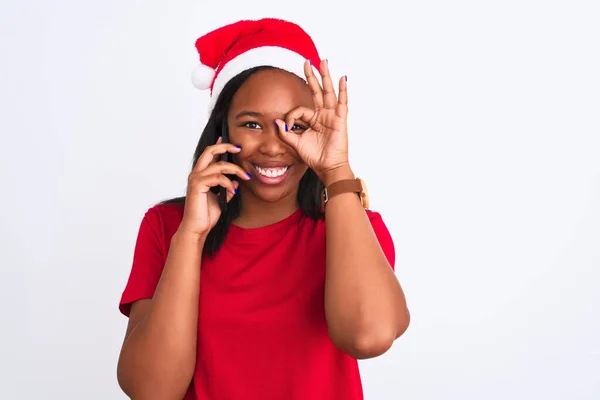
x: 227, y: 158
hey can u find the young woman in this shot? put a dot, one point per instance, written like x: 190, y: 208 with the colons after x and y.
x: 277, y: 296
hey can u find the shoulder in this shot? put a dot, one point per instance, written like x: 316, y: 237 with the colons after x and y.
x: 162, y: 220
x: 165, y: 212
x: 157, y: 226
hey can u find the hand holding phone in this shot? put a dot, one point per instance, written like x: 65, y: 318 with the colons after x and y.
x: 210, y: 183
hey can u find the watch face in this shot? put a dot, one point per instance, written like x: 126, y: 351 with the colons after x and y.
x: 364, y: 194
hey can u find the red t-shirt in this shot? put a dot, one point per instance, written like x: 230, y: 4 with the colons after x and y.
x: 262, y: 333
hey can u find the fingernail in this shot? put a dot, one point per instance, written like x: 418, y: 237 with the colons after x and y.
x: 286, y: 127
x: 310, y: 62
x: 346, y: 78
x: 234, y: 191
x: 249, y: 175
x: 239, y: 147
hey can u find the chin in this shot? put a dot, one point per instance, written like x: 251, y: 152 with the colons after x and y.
x: 271, y: 198
x: 272, y: 193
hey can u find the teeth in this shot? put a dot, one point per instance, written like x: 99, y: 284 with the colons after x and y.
x: 271, y: 172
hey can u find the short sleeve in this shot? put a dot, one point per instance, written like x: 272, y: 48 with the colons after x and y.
x: 383, y: 235
x: 148, y: 262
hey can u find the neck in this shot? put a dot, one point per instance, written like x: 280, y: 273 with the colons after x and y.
x: 256, y: 213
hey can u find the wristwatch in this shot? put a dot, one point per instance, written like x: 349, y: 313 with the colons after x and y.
x: 345, y: 186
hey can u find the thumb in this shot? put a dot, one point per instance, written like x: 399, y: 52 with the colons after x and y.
x: 286, y: 134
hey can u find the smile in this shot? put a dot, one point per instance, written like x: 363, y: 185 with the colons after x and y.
x: 271, y: 172
x: 271, y: 175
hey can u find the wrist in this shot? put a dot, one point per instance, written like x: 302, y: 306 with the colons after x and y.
x: 186, y: 236
x: 337, y: 174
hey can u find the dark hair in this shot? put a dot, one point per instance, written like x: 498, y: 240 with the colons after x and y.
x: 309, y: 189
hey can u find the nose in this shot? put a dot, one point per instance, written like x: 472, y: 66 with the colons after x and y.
x: 271, y: 144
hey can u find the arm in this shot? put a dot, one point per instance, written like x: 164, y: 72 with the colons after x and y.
x: 364, y: 302
x: 158, y: 356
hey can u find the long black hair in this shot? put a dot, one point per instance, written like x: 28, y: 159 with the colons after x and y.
x: 309, y: 189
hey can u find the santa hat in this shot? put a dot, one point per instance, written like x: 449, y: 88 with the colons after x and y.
x: 234, y: 48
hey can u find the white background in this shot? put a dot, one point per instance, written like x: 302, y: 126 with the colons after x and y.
x: 475, y: 124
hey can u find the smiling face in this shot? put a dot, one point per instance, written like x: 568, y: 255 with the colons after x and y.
x: 276, y: 168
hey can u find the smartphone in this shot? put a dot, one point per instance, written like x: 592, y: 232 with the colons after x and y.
x: 227, y: 158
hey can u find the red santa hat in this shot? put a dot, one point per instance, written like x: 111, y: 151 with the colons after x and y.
x: 234, y: 48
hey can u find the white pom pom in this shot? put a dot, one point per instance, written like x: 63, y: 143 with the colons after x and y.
x: 202, y: 76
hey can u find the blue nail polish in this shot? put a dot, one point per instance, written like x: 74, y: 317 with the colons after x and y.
x: 346, y: 78
x: 286, y: 128
x: 239, y: 147
x: 249, y: 175
x: 234, y: 191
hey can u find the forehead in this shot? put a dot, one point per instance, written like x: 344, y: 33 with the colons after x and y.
x: 272, y: 91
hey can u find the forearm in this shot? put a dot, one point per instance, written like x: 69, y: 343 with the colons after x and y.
x: 159, y: 356
x: 364, y: 303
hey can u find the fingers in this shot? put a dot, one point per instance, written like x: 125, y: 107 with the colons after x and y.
x: 230, y: 195
x: 211, y: 153
x: 204, y: 182
x: 325, y: 96
x: 341, y: 109
x: 287, y: 134
x: 301, y: 116
x: 209, y: 173
x: 225, y: 168
x: 313, y: 84
x: 329, y: 99
x: 304, y: 114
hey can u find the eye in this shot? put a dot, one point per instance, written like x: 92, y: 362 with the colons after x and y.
x: 297, y: 127
x: 251, y: 125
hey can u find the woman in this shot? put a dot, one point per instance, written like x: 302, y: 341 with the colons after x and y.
x: 277, y: 296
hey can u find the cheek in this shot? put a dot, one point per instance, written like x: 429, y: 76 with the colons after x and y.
x: 241, y: 160
x: 237, y: 138
x: 300, y: 170
x: 296, y: 156
x: 247, y: 144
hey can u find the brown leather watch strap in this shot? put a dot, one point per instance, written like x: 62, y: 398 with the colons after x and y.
x: 342, y: 186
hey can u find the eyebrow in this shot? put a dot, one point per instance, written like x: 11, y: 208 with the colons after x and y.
x: 248, y: 114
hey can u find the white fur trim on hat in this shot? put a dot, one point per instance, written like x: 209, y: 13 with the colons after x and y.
x: 273, y: 56
x: 202, y: 76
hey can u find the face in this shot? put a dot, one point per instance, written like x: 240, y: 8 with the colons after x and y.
x: 276, y: 168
